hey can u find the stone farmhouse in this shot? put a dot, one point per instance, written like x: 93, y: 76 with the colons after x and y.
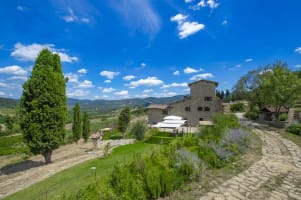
x: 201, y: 105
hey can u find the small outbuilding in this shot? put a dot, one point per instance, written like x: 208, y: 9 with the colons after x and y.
x: 268, y: 113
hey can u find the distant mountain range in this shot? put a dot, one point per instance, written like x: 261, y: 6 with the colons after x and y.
x: 103, y: 105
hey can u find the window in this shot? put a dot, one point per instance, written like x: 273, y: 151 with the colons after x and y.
x: 207, y: 109
x: 164, y: 112
x: 187, y: 108
x: 200, y: 108
x: 201, y: 119
x: 207, y: 98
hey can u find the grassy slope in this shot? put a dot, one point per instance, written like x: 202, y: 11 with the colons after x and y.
x: 73, y: 179
x: 294, y: 138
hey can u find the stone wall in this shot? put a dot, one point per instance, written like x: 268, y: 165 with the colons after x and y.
x: 155, y: 116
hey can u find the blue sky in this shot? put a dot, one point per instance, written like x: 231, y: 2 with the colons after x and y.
x: 115, y: 49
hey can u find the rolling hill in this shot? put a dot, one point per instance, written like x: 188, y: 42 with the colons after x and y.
x: 102, y: 106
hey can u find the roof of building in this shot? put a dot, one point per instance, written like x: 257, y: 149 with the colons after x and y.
x: 206, y: 81
x: 272, y: 109
x: 158, y: 106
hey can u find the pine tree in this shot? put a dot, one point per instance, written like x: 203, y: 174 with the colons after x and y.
x: 43, y: 107
x: 124, y: 120
x: 86, y: 126
x: 76, y: 126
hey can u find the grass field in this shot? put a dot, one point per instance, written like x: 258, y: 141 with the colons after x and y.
x: 75, y: 178
x: 7, y: 111
x: 12, y: 145
x: 294, y: 138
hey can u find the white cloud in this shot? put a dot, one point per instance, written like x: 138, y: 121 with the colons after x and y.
x: 109, y: 74
x: 4, y: 85
x: 122, y: 93
x: 14, y: 70
x: 30, y: 52
x: 2, y: 93
x: 175, y: 85
x: 249, y: 60
x: 189, y: 70
x: 165, y: 94
x: 108, y: 90
x: 22, y: 78
x: 149, y: 81
x: 201, y: 76
x: 82, y: 71
x: 139, y: 15
x: 72, y: 78
x: 128, y: 77
x: 188, y: 1
x: 297, y: 66
x: 107, y: 81
x: 76, y: 93
x: 212, y: 4
x: 71, y: 17
x: 143, y: 65
x: 85, y: 84
x: 171, y: 94
x: 148, y: 90
x: 178, y: 18
x: 185, y: 27
x: 176, y: 73
x: 298, y: 50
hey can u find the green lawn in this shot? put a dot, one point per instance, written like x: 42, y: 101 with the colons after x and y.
x: 12, y: 145
x: 75, y: 178
x: 8, y: 111
x: 294, y: 138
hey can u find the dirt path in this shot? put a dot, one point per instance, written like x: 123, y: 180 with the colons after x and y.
x: 276, y: 176
x: 20, y: 176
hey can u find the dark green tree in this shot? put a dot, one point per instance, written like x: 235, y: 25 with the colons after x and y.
x: 138, y: 129
x: 43, y: 106
x: 9, y: 122
x: 86, y: 126
x: 124, y: 120
x: 76, y: 126
x: 279, y: 87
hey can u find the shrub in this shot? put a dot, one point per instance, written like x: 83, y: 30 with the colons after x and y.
x: 113, y: 134
x: 188, y: 164
x: 138, y: 129
x: 226, y: 121
x: 237, y: 107
x: 282, y: 117
x: 253, y: 113
x: 294, y: 128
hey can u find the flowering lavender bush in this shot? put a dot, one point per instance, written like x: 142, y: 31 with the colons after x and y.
x: 189, y: 164
x: 236, y: 136
x: 223, y: 153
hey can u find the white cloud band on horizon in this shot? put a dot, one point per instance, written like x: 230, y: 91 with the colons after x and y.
x: 201, y: 76
x: 149, y: 81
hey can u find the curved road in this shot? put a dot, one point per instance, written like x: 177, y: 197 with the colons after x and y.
x: 280, y: 166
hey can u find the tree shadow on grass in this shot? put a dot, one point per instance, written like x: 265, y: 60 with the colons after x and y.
x: 22, y: 166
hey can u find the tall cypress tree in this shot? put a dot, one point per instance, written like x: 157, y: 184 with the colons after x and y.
x: 86, y: 126
x: 43, y: 106
x: 124, y: 120
x: 76, y: 126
